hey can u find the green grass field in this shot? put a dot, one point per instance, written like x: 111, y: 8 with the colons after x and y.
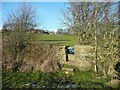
x: 68, y: 40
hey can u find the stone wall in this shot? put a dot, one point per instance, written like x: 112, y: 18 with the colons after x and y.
x: 84, y: 55
x: 71, y: 57
x: 38, y: 55
x: 60, y: 53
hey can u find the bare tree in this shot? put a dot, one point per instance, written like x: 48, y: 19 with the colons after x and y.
x: 93, y: 23
x: 18, y: 22
x: 22, y: 19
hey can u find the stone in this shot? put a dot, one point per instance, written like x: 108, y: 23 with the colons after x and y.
x: 84, y: 56
x: 66, y: 72
x: 60, y: 53
x: 71, y: 57
x: 113, y: 83
x: 68, y: 69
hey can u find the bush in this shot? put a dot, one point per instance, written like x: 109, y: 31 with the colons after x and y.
x: 14, y: 44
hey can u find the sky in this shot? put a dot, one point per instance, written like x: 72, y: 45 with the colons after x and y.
x: 48, y: 13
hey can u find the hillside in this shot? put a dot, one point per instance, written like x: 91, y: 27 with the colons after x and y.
x: 68, y: 40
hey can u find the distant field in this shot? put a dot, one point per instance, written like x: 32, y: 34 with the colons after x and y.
x: 69, y: 40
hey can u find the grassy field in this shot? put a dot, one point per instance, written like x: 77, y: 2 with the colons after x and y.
x: 68, y: 40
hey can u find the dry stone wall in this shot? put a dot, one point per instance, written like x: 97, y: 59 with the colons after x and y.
x: 60, y: 53
x: 71, y: 57
x: 37, y: 57
x: 83, y: 56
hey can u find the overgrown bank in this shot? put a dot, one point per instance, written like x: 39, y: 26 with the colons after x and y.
x: 37, y: 79
x: 36, y: 57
